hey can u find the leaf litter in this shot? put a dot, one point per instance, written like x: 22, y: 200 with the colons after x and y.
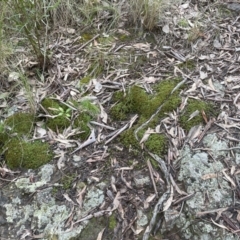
x: 213, y: 78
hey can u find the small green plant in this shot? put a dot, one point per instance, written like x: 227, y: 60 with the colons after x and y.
x: 59, y: 112
x: 88, y: 107
x: 62, y: 113
x: 183, y: 23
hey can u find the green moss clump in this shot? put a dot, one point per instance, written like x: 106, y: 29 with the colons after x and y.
x: 112, y: 222
x: 192, y: 106
x: 2, y: 127
x: 67, y: 181
x: 20, y: 123
x: 26, y: 154
x: 157, y: 144
x: 48, y: 103
x: 138, y: 102
x: 127, y: 138
x: 85, y: 80
x: 135, y: 102
x: 183, y: 23
x: 86, y: 106
x: 4, y: 137
x: 119, y: 111
x: 58, y: 123
x: 123, y: 37
x: 188, y: 64
x: 86, y: 37
x: 82, y: 122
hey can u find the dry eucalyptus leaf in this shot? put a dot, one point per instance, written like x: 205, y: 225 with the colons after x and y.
x: 150, y: 79
x: 203, y: 75
x: 185, y: 5
x: 13, y: 76
x: 97, y: 85
x: 146, y: 135
x: 166, y: 28
x: 142, y: 46
x: 217, y: 44
x: 40, y: 132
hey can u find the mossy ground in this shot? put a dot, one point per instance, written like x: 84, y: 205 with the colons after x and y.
x: 95, y: 225
x: 193, y: 105
x: 188, y: 64
x: 87, y: 111
x: 183, y: 23
x: 20, y: 123
x: 19, y: 153
x: 50, y: 104
x: 81, y: 122
x: 157, y: 144
x: 137, y: 101
x: 67, y: 181
x: 4, y: 137
x: 85, y: 80
x: 28, y: 155
x: 112, y: 222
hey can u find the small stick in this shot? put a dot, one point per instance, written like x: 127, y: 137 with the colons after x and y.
x: 85, y: 44
x: 152, y: 178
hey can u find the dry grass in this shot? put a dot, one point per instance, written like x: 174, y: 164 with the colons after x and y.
x: 147, y: 12
x: 5, y: 47
x: 84, y: 13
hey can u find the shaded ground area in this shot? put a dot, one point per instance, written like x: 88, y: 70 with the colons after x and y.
x: 158, y: 158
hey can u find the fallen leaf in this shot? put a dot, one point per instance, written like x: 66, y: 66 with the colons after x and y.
x: 142, y: 46
x: 150, y: 79
x: 168, y: 203
x: 100, y: 235
x: 166, y: 28
x: 146, y: 135
x: 203, y: 75
x: 217, y: 44
x: 209, y: 176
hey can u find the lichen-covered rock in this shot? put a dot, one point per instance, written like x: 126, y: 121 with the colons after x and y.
x: 40, y: 212
x: 195, y: 167
x: 202, y: 176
